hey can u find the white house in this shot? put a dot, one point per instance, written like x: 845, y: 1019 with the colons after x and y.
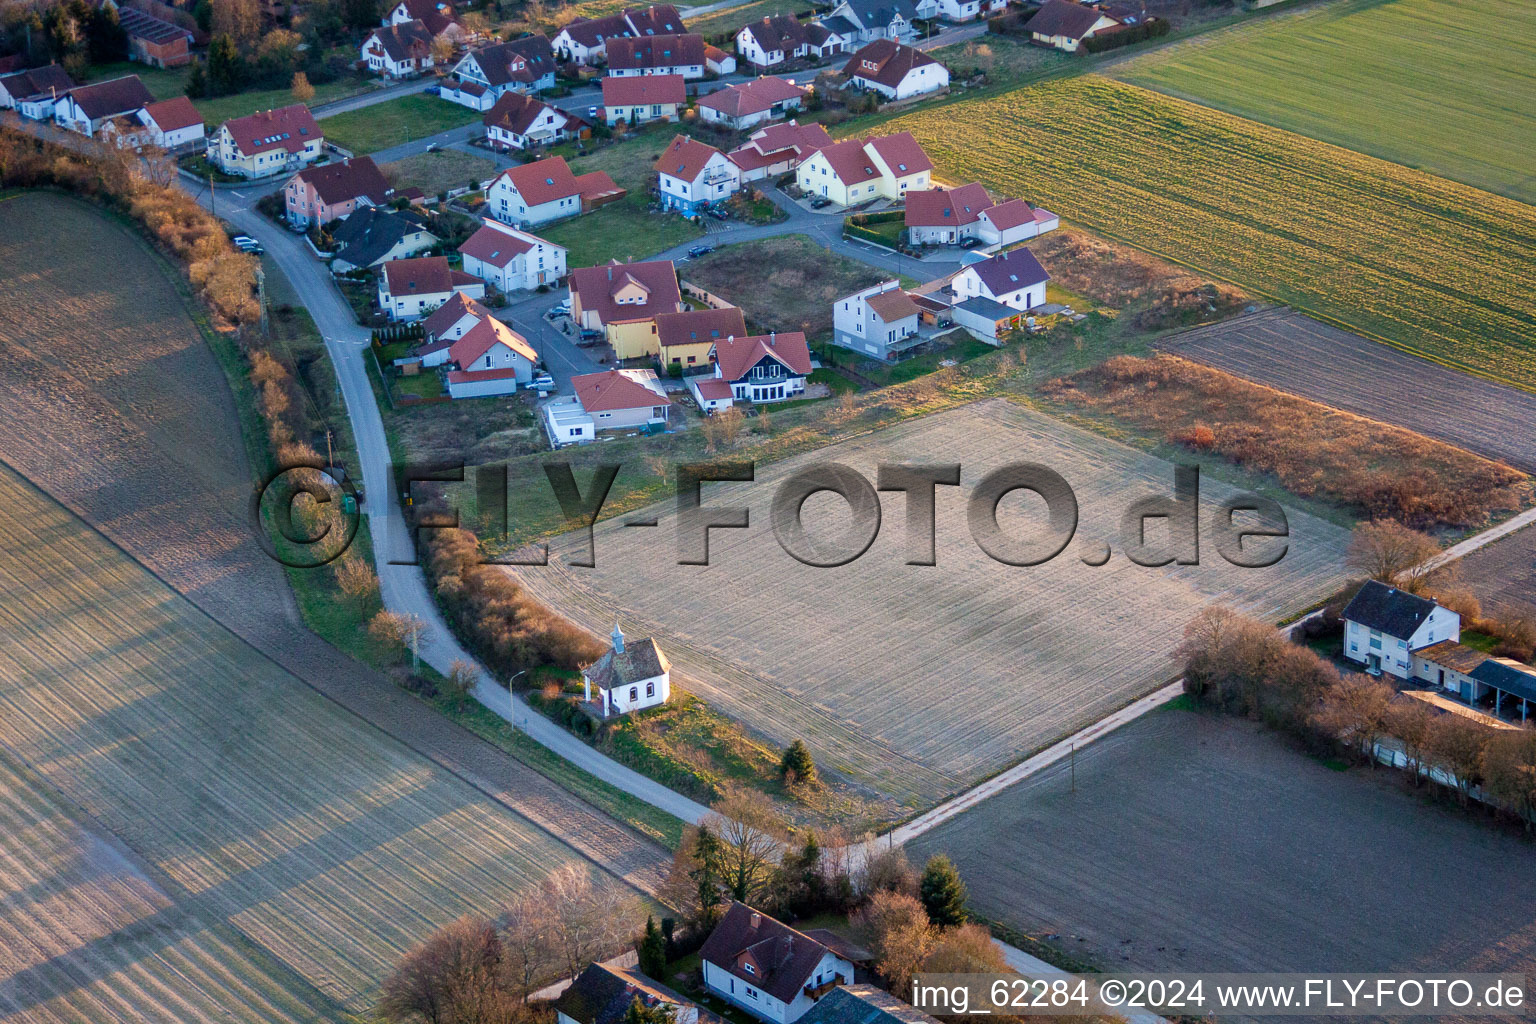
x: 173, y: 123
x: 769, y: 969
x: 412, y: 288
x: 746, y: 104
x: 641, y: 99
x: 694, y: 175
x: 880, y: 19
x: 512, y: 260
x: 401, y: 50
x: 518, y: 121
x: 602, y: 994
x: 34, y: 92
x: 483, y: 76
x: 418, y: 10
x: 657, y: 55
x: 267, y: 142
x: 629, y: 677
x: 879, y: 321
x: 1384, y: 626
x: 490, y: 359
x: 567, y: 422
x: 446, y: 325
x: 778, y: 148
x: 372, y: 235
x: 585, y: 40
x: 895, y: 71
x: 776, y: 38
x: 852, y: 172
x: 85, y: 108
x: 528, y: 195
x: 1064, y: 25
x: 962, y: 10
x: 1016, y: 279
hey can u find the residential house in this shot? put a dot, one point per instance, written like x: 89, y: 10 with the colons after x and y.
x: 437, y: 16
x: 154, y: 41
x: 327, y: 192
x: 764, y: 367
x: 1013, y: 221
x: 401, y: 50
x: 854, y: 171
x: 630, y: 676
x: 623, y: 300
x: 85, y: 108
x: 1384, y: 626
x: 644, y: 99
x: 773, y: 40
x: 511, y: 260
x: 862, y: 1004
x: 895, y: 71
x: 34, y: 92
x: 767, y: 968
x: 880, y: 321
x: 490, y: 359
x: 267, y: 142
x: 374, y: 235
x: 746, y: 104
x: 411, y: 288
x: 483, y: 76
x: 655, y: 20
x: 446, y: 325
x: 613, y: 400
x: 778, y: 148
x: 603, y: 993
x: 585, y: 40
x: 519, y: 121
x: 1016, y: 279
x: 694, y: 176
x: 868, y: 20
x: 1064, y: 25
x: 688, y: 339
x: 173, y: 123
x: 967, y: 10
x: 657, y: 55
x: 943, y: 216
x: 528, y: 195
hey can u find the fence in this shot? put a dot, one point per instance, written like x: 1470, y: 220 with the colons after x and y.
x: 708, y: 298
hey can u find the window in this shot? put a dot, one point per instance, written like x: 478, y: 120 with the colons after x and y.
x: 650, y: 689
x: 750, y: 969
x: 634, y: 694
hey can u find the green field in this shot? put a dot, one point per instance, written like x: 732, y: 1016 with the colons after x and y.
x: 731, y: 19
x: 1441, y: 85
x: 1420, y: 261
x: 163, y: 83
x: 393, y: 122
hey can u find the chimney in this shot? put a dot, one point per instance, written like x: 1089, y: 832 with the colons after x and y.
x: 772, y: 335
x: 757, y: 919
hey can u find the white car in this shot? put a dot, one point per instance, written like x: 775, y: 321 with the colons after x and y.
x: 562, y: 308
x: 543, y: 382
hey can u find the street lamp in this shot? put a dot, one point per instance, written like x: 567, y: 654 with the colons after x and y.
x: 512, y: 700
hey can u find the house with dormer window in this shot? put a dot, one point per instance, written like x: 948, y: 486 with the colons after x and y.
x: 693, y: 176
x: 531, y: 194
x: 267, y: 142
x: 767, y: 968
x: 1014, y: 279
x: 854, y: 171
x: 483, y: 76
x: 895, y: 71
x: 623, y: 300
x: 657, y: 55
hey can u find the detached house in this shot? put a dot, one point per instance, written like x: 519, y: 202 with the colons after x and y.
x: 490, y: 359
x: 319, y: 195
x: 880, y: 321
x: 636, y: 675
x: 446, y: 325
x: 602, y: 994
x: 1064, y: 25
x: 895, y: 71
x: 880, y: 19
x: 33, y: 93
x: 531, y: 194
x: 1384, y: 626
x: 399, y: 51
x: 610, y: 400
x: 173, y: 123
x: 781, y: 37
x: 623, y: 299
x: 688, y: 339
x: 1014, y: 279
x: 512, y: 260
x: 767, y: 968
x: 585, y: 40
x: 1014, y: 221
x: 518, y: 121
x: 657, y: 55
x: 694, y: 176
x: 85, y: 108
x: 525, y: 65
x: 942, y: 216
x: 374, y: 235
x: 862, y: 1004
x: 748, y: 103
x: 778, y: 148
x: 267, y: 142
x: 764, y: 367
x: 409, y: 289
x: 853, y: 171
x: 418, y: 10
x: 643, y: 99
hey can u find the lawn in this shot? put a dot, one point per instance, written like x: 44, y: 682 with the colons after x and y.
x: 1412, y: 81
x: 625, y: 231
x: 786, y: 283
x: 438, y: 172
x: 394, y: 122
x: 164, y: 83
x: 727, y: 22
x: 1425, y: 263
x: 1007, y: 61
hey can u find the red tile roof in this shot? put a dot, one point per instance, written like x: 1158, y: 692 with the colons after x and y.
x: 404, y: 41
x: 542, y: 181
x: 655, y: 52
x: 752, y: 97
x: 777, y: 32
x: 850, y: 162
x: 347, y: 179
x: 173, y: 114
x: 424, y: 275
x: 697, y: 326
x: 1063, y: 18
x: 484, y: 336
x: 783, y: 957
x: 738, y: 355
x: 805, y: 139
x: 596, y: 286
x: 494, y: 246
x: 470, y: 376
x: 596, y: 185
x: 886, y: 61
x: 901, y: 153
x: 685, y: 158
x: 514, y: 112
x: 712, y: 388
x: 288, y: 128
x: 642, y: 89
x: 612, y: 390
x: 1008, y: 215
x: 946, y: 208
x: 449, y: 313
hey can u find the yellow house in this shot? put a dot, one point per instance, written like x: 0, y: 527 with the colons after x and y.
x: 623, y: 300
x: 686, y: 340
x: 267, y: 142
x: 857, y: 171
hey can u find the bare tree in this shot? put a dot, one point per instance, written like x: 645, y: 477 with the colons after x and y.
x: 1410, y: 721
x: 1388, y: 551
x: 752, y: 836
x: 1509, y: 772
x: 525, y: 943
x: 355, y: 578
x: 888, y: 871
x: 1355, y: 711
x: 442, y: 49
x: 401, y: 632
x: 966, y: 949
x: 1455, y: 746
x: 452, y: 978
x: 585, y: 920
x: 896, y: 928
x: 238, y: 19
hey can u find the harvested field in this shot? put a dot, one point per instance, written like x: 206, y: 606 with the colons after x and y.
x: 1290, y: 351
x: 781, y: 284
x: 1196, y: 842
x: 849, y: 658
x: 1428, y: 264
x: 1503, y: 576
x: 1375, y: 470
x: 311, y: 843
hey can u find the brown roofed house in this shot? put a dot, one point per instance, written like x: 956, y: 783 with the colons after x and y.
x: 748, y: 103
x: 895, y: 70
x: 268, y: 142
x: 602, y: 994
x: 319, y: 195
x: 767, y: 968
x: 86, y: 108
x: 1064, y: 25
x: 688, y: 338
x: 657, y: 55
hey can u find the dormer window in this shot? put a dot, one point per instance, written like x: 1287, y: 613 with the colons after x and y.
x: 749, y: 968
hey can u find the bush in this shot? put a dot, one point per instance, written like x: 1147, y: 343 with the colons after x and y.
x: 1152, y: 28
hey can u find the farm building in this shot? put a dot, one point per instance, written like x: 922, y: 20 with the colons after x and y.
x: 1064, y: 25
x: 602, y: 994
x: 173, y: 124
x: 1384, y: 625
x: 622, y: 399
x: 778, y: 148
x: 854, y: 171
x: 693, y: 176
x: 267, y: 142
x: 33, y: 93
x: 644, y: 99
x: 688, y: 339
x: 483, y: 76
x: 764, y: 368
x: 85, y: 108
x: 319, y: 195
x: 1015, y: 279
x: 154, y: 41
x: 767, y: 968
x: 374, y: 235
x: 746, y: 104
x: 512, y: 260
x: 880, y: 321
x: 518, y: 121
x: 657, y: 55
x: 630, y: 676
x: 412, y: 288
x: 490, y: 359
x: 895, y: 71
x: 623, y: 300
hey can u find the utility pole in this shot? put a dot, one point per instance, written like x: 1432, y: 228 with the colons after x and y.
x: 1073, y: 766
x: 329, y: 459
x: 212, y: 196
x: 261, y: 298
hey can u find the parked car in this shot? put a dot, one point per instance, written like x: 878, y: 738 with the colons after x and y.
x: 701, y: 250
x: 245, y: 243
x: 433, y: 147
x: 719, y: 213
x: 970, y: 243
x: 543, y: 382
x: 591, y: 112
x: 562, y: 308
x: 819, y: 202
